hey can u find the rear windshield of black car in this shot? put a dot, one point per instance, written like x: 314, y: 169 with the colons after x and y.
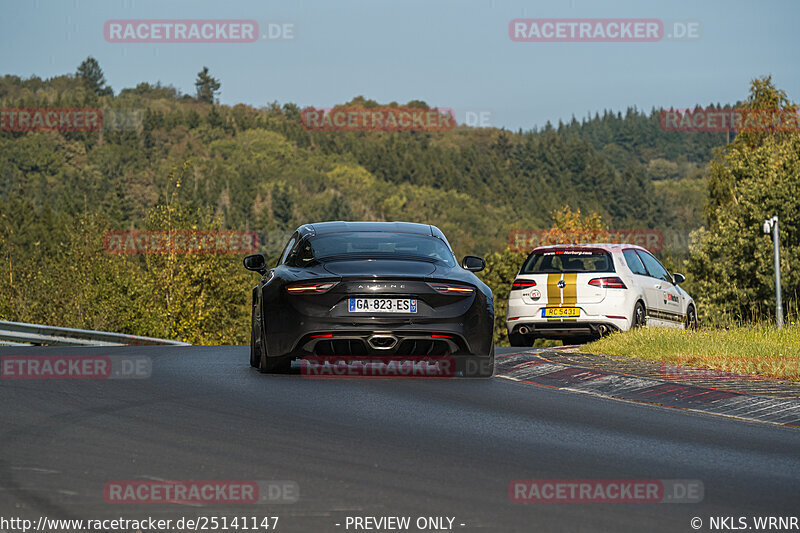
x: 568, y: 261
x: 377, y: 245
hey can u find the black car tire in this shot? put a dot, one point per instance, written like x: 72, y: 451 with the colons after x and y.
x: 272, y: 365
x: 639, y: 315
x: 691, y: 318
x: 255, y: 356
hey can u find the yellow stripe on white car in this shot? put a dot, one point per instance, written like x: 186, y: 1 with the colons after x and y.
x: 562, y: 299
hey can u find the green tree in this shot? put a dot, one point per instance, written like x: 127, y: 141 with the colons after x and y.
x: 90, y: 73
x: 281, y: 204
x: 207, y: 86
x: 336, y: 209
x: 756, y: 177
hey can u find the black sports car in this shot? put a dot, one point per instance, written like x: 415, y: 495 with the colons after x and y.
x: 371, y: 289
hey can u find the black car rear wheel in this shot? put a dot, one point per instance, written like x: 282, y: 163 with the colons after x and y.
x: 271, y: 365
x: 274, y: 365
x: 255, y: 356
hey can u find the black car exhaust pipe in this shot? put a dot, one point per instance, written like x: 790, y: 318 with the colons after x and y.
x: 382, y: 342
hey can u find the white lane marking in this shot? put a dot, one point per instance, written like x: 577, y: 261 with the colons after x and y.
x: 36, y: 469
x: 731, y: 404
x: 749, y: 403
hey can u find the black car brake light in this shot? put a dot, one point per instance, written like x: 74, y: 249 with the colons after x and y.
x: 311, y: 288
x: 446, y: 288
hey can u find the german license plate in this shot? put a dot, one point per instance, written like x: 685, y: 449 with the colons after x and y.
x: 382, y: 305
x: 560, y: 312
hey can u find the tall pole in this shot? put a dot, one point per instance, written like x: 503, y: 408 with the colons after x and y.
x: 778, y: 302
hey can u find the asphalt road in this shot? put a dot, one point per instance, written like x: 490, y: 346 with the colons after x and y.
x: 361, y: 447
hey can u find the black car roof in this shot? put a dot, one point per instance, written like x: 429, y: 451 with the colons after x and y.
x: 320, y: 228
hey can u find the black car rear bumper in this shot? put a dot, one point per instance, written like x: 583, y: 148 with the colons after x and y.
x: 382, y: 342
x: 298, y: 333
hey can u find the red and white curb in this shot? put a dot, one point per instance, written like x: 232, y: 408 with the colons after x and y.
x: 528, y: 367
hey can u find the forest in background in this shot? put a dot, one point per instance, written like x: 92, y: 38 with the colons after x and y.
x: 190, y: 163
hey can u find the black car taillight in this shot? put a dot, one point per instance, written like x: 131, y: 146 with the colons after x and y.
x: 311, y: 288
x: 446, y: 288
x: 520, y: 284
x: 608, y: 283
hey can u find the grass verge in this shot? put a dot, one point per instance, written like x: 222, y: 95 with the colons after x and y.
x: 759, y: 350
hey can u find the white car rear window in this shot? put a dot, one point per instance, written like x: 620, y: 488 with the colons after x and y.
x: 568, y: 261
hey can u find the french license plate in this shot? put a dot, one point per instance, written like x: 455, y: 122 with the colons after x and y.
x: 560, y: 312
x: 382, y: 305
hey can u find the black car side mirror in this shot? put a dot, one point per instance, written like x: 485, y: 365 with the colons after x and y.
x: 677, y: 279
x: 256, y: 263
x: 473, y: 263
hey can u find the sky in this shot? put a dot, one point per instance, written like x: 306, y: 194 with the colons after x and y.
x: 451, y: 54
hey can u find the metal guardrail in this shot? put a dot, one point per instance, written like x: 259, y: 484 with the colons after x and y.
x: 21, y: 334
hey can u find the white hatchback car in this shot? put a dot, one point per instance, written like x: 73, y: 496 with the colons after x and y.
x: 576, y: 292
